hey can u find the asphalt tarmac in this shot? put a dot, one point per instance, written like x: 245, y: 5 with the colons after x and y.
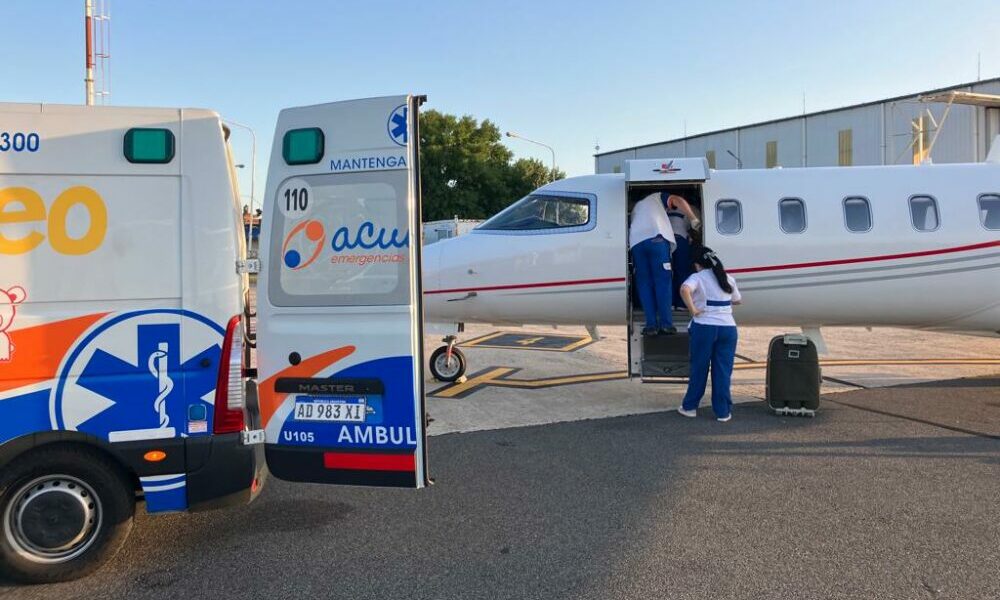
x: 887, y: 493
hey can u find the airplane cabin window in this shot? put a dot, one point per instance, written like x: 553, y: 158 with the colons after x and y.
x: 541, y: 211
x: 792, y: 213
x: 857, y: 214
x: 989, y: 211
x: 924, y: 213
x: 728, y: 217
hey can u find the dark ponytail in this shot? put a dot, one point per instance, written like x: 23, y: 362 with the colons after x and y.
x: 707, y: 259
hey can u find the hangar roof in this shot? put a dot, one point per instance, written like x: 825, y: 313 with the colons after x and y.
x: 933, y: 93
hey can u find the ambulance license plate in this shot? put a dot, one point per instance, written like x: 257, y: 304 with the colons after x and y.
x: 332, y: 409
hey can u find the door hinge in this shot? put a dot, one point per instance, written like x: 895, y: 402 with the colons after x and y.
x: 248, y: 266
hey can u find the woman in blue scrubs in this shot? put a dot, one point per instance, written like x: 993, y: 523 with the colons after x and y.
x: 709, y: 294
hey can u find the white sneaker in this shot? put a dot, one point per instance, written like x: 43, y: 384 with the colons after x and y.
x: 687, y: 413
x: 726, y: 418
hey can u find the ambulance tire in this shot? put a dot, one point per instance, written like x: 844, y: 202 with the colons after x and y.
x: 73, y: 474
x: 444, y: 370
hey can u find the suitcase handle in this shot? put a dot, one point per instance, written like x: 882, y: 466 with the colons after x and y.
x: 796, y: 339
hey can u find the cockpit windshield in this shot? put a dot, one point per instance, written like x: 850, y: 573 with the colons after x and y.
x: 540, y: 211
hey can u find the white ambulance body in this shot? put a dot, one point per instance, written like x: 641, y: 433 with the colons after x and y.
x: 120, y: 313
x: 123, y: 280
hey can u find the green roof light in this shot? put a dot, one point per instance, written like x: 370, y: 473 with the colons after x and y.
x: 154, y: 146
x: 303, y: 146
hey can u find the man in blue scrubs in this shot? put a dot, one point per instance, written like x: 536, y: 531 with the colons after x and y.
x: 651, y: 240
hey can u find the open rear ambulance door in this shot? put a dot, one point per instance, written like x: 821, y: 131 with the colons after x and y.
x: 339, y: 329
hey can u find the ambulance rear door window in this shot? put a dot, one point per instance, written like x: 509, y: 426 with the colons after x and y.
x: 342, y: 240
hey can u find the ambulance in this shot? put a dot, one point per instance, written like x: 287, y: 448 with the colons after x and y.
x: 126, y: 371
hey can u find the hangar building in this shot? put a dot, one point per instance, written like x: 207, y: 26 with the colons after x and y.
x: 893, y: 131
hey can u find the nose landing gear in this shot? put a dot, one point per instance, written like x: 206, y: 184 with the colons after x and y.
x: 447, y: 363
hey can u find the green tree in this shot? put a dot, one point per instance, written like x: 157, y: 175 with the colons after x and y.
x: 466, y: 171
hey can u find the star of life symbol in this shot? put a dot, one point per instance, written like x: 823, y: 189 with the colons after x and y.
x: 135, y: 380
x: 667, y: 167
x: 158, y: 367
x: 396, y: 126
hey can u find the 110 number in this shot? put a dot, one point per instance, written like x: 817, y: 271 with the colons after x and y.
x: 296, y: 199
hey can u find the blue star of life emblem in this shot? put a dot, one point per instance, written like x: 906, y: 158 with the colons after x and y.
x: 131, y: 377
x: 396, y: 125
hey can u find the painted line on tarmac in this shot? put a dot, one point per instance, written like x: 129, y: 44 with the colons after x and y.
x: 906, y: 361
x: 844, y: 382
x: 473, y: 383
x: 500, y: 376
x: 884, y: 362
x: 509, y: 340
x: 481, y: 339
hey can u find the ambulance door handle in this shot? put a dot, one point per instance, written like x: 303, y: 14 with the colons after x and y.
x: 473, y: 272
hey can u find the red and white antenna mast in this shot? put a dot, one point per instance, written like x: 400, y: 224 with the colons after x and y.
x: 97, y: 26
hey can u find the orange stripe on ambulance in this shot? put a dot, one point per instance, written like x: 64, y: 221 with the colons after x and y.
x: 22, y: 205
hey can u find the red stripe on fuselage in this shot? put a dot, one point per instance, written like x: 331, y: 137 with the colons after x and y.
x: 824, y: 263
x: 519, y: 286
x: 359, y: 461
x: 847, y: 261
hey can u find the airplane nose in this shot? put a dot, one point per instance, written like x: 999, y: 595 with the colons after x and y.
x: 430, y: 265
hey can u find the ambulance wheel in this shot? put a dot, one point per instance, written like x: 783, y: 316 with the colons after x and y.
x: 444, y: 369
x: 66, y: 511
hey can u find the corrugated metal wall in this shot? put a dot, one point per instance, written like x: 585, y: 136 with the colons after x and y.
x: 823, y: 131
x: 988, y: 122
x: 613, y: 163
x: 787, y: 134
x: 671, y: 149
x: 956, y: 142
x: 721, y: 144
x: 814, y: 140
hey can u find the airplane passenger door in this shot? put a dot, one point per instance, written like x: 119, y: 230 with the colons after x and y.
x: 660, y: 356
x: 339, y: 343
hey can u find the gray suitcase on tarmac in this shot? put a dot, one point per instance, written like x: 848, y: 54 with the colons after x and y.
x: 793, y: 376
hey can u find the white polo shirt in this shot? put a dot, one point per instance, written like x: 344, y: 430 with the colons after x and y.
x: 713, y: 302
x: 649, y: 219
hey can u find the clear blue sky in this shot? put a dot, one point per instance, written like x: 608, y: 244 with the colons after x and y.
x: 563, y: 72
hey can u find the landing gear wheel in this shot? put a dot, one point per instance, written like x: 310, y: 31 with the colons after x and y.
x: 65, y: 512
x: 447, y: 369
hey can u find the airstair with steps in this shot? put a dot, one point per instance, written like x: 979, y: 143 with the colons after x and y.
x: 663, y: 357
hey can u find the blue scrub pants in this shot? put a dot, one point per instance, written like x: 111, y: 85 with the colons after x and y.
x: 681, y: 260
x: 715, y: 345
x: 653, y: 279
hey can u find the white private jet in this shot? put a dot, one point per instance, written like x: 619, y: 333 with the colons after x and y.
x: 902, y: 246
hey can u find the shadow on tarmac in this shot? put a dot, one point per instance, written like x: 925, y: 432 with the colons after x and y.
x: 849, y: 504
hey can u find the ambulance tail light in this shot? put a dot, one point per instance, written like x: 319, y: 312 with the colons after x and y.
x: 229, y: 390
